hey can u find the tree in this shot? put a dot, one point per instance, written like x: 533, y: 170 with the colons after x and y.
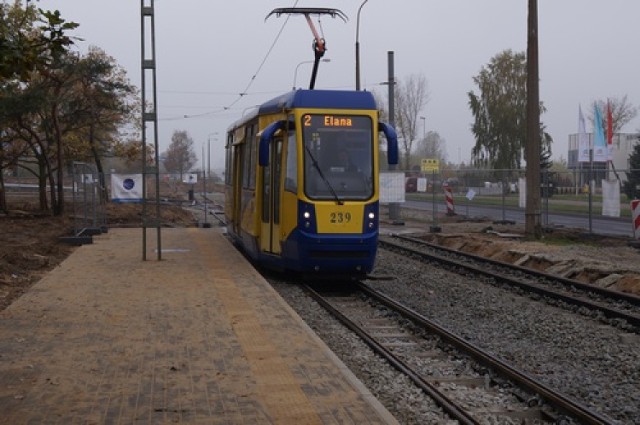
x: 499, y: 111
x: 622, y: 112
x: 26, y: 47
x: 545, y: 160
x: 69, y: 113
x: 631, y: 187
x: 180, y: 156
x: 410, y: 97
x: 105, y: 102
x: 431, y: 146
x: 25, y: 50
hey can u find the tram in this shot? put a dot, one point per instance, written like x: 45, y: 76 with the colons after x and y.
x: 302, y: 181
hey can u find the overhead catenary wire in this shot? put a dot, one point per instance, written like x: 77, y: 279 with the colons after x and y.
x: 244, y: 92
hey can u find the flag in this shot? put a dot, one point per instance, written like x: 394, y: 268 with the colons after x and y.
x: 599, y: 144
x: 583, y: 139
x: 190, y: 178
x: 126, y: 188
x: 609, y: 132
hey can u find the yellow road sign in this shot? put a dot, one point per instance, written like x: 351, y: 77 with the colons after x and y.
x: 429, y: 165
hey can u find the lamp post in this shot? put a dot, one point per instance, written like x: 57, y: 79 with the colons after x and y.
x: 209, y: 138
x: 206, y: 172
x: 358, y: 46
x: 424, y: 127
x: 295, y: 74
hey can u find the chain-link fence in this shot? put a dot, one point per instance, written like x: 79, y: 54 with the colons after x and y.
x: 88, y: 200
x: 588, y: 194
x: 84, y: 186
x: 584, y: 194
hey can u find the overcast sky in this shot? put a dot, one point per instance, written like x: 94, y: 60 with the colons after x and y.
x: 210, y: 51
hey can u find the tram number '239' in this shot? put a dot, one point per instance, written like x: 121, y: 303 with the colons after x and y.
x: 339, y: 217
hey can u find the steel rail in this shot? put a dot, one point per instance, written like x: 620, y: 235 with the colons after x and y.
x: 609, y: 313
x: 556, y: 399
x: 443, y: 401
x: 617, y: 295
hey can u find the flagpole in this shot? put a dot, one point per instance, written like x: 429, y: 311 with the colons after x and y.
x: 589, y: 176
x: 609, y: 140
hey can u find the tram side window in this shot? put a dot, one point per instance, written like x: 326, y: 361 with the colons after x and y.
x: 253, y: 140
x: 291, y: 173
x: 228, y: 161
x: 249, y: 173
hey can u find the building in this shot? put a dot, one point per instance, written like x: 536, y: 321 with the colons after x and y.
x: 623, y: 145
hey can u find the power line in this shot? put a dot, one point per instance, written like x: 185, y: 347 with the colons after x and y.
x: 253, y: 77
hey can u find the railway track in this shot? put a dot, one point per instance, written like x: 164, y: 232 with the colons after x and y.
x: 612, y: 307
x: 484, y: 390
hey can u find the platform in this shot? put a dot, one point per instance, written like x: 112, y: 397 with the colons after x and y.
x: 198, y: 337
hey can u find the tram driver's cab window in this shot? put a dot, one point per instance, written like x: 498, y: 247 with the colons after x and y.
x: 338, y: 157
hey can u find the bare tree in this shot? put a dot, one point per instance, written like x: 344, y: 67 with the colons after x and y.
x: 411, y: 96
x: 622, y: 112
x: 180, y: 156
x: 431, y: 146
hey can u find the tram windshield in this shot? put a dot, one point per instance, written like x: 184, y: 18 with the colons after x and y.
x: 338, y: 156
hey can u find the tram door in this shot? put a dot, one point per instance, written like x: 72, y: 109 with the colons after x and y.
x: 271, y: 175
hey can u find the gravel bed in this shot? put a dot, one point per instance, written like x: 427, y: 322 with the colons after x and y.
x: 398, y: 394
x: 407, y: 403
x: 596, y: 364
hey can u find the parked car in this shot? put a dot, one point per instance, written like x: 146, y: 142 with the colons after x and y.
x: 410, y: 184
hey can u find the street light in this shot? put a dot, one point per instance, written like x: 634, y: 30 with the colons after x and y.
x: 424, y: 127
x: 206, y: 172
x: 358, y: 46
x: 209, y: 138
x: 295, y: 74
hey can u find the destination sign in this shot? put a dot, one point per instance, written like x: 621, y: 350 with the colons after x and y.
x: 328, y: 120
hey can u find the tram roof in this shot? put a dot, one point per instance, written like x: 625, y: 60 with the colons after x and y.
x: 321, y: 99
x: 326, y: 99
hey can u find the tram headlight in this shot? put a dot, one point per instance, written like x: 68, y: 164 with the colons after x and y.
x: 371, y: 222
x: 306, y: 215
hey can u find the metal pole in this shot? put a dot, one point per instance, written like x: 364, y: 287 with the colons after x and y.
x: 208, y: 174
x: 295, y: 73
x: 434, y: 227
x: 504, y: 197
x: 358, y: 46
x: 533, y: 227
x: 548, y: 191
x: 394, y: 207
x: 591, y: 187
x: 149, y: 115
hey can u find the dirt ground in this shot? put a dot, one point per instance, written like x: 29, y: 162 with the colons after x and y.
x: 30, y: 242
x: 606, y: 261
x: 30, y: 246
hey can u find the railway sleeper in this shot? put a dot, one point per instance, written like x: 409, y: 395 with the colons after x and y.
x: 532, y: 414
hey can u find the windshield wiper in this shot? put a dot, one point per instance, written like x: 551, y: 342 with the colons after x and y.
x: 317, y: 167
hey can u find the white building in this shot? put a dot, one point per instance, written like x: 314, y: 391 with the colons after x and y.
x: 623, y: 145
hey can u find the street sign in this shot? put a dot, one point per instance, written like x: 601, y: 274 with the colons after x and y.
x: 430, y: 165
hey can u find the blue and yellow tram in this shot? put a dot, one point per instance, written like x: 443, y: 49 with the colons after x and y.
x: 301, y: 181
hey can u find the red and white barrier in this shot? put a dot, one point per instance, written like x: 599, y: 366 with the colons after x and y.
x: 635, y: 214
x: 448, y: 194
